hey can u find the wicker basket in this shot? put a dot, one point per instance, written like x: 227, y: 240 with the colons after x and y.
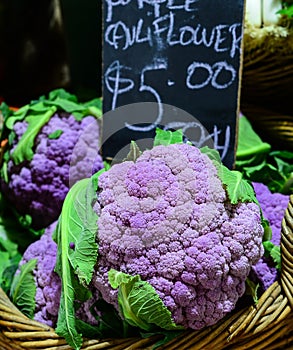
x: 267, y: 325
x: 267, y: 81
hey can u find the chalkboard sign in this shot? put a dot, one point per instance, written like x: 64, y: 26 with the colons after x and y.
x: 180, y: 53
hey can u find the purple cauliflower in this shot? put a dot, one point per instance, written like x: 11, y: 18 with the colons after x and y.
x: 48, y: 283
x: 64, y: 150
x: 167, y: 217
x: 273, y: 206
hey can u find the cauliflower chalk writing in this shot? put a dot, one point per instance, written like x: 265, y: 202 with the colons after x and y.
x: 164, y: 30
x: 151, y: 5
x: 174, y: 52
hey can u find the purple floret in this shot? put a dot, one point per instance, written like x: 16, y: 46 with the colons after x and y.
x: 48, y: 283
x: 167, y: 218
x: 38, y: 187
x: 86, y: 310
x: 264, y: 273
x: 273, y: 206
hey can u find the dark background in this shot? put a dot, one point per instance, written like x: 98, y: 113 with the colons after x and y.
x: 38, y: 53
x: 49, y: 44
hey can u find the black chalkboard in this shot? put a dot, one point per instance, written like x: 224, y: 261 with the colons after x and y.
x: 180, y: 53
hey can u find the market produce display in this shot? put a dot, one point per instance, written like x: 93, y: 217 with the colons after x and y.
x: 166, y: 250
x: 167, y: 240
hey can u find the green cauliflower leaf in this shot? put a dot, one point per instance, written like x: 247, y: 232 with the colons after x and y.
x: 140, y: 304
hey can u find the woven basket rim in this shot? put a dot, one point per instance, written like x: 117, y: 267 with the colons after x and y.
x: 268, y: 41
x: 266, y: 325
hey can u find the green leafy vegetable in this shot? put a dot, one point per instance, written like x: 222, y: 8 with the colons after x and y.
x: 276, y: 173
x: 24, y: 148
x: 249, y: 143
x: 61, y: 94
x: 6, y: 245
x: 267, y: 236
x: 258, y: 163
x: 86, y: 329
x: 38, y: 113
x: 167, y: 137
x: 8, y: 272
x: 283, y: 161
x: 213, y: 154
x: 5, y: 263
x: 77, y: 254
x: 110, y: 323
x: 9, y: 257
x: 56, y: 134
x: 66, y: 105
x: 252, y: 289
x: 81, y: 221
x: 273, y: 251
x: 238, y: 189
x: 14, y: 239
x: 66, y: 325
x: 287, y: 10
x: 11, y: 117
x: 133, y: 153
x: 140, y: 304
x: 16, y: 228
x: 23, y: 289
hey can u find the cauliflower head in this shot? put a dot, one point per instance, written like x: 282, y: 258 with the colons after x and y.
x: 61, y: 156
x: 47, y: 281
x: 273, y: 206
x: 167, y: 217
x: 48, y: 284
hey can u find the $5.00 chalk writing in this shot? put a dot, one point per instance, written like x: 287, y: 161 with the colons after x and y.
x: 175, y: 52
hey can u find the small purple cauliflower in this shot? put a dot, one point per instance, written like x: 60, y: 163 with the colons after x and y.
x: 167, y: 217
x: 273, y: 206
x: 48, y: 283
x: 45, y: 159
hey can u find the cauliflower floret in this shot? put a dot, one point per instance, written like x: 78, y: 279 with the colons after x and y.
x: 167, y: 217
x: 48, y: 283
x: 273, y: 206
x: 38, y: 187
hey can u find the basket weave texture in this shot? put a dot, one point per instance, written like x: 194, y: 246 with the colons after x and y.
x: 267, y: 325
x: 267, y: 81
